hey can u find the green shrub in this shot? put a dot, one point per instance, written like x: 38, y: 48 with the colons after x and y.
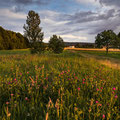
x: 56, y: 44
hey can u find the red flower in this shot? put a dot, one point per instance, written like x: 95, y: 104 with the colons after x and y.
x: 78, y: 89
x: 97, y: 102
x: 103, y: 116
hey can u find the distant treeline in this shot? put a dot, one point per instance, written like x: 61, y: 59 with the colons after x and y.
x: 12, y: 40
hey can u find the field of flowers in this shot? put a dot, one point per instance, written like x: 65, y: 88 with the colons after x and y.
x: 57, y: 87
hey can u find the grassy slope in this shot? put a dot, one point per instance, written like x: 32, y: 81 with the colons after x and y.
x: 115, y: 55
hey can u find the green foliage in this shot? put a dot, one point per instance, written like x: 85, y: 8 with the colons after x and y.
x: 106, y: 39
x: 87, y: 45
x: 56, y: 44
x: 15, y: 52
x: 11, y: 40
x: 33, y: 32
x: 118, y: 40
x: 78, y: 45
x: 38, y: 47
x: 102, y: 54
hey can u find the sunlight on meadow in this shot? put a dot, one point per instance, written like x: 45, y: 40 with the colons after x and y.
x: 65, y: 86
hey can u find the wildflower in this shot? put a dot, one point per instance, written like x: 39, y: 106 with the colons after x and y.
x: 15, y: 79
x: 26, y: 98
x: 97, y: 102
x: 27, y: 72
x: 114, y: 88
x: 83, y: 82
x: 97, y: 89
x: 83, y: 79
x: 100, y: 105
x: 103, y: 116
x: 101, y: 87
x: 9, y: 83
x: 113, y: 92
x: 12, y: 94
x: 78, y: 89
x: 76, y: 77
x: 7, y: 103
x: 116, y: 96
x: 61, y: 73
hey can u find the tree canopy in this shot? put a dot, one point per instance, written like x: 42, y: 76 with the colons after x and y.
x: 56, y: 44
x: 12, y: 40
x: 118, y: 41
x: 106, y: 39
x: 33, y: 32
x: 32, y: 29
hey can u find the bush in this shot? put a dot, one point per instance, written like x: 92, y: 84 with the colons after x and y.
x: 56, y: 44
x: 38, y: 47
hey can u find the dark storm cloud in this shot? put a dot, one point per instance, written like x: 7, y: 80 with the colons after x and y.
x: 24, y: 2
x: 108, y: 25
x: 65, y: 30
x: 88, y: 21
x: 71, y: 31
x: 20, y: 5
x: 110, y: 2
x: 89, y: 16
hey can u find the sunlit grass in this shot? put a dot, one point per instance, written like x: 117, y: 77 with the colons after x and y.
x: 57, y: 87
x: 16, y: 51
x: 110, y: 54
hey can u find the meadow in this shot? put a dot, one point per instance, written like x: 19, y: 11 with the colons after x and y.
x: 111, y: 54
x: 49, y: 86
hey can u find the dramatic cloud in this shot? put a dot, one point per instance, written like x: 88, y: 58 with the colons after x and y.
x: 89, y: 16
x: 11, y: 19
x: 24, y: 2
x: 89, y: 2
x: 73, y: 20
x: 110, y: 2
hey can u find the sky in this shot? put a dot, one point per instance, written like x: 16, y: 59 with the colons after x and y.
x: 73, y: 20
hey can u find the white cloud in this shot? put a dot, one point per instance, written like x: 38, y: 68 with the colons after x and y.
x: 74, y: 37
x: 87, y: 2
x: 11, y: 15
x: 11, y: 20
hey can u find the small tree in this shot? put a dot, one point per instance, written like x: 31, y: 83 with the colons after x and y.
x: 106, y: 38
x: 56, y: 44
x: 33, y: 31
x: 118, y: 40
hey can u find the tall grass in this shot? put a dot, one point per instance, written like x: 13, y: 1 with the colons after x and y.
x: 57, y: 87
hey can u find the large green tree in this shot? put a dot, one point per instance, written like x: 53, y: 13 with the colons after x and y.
x: 56, y: 44
x: 33, y: 31
x: 118, y: 41
x: 106, y: 39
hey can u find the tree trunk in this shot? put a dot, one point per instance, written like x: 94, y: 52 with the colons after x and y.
x: 106, y: 49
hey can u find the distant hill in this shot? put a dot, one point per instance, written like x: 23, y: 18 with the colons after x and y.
x: 12, y: 40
